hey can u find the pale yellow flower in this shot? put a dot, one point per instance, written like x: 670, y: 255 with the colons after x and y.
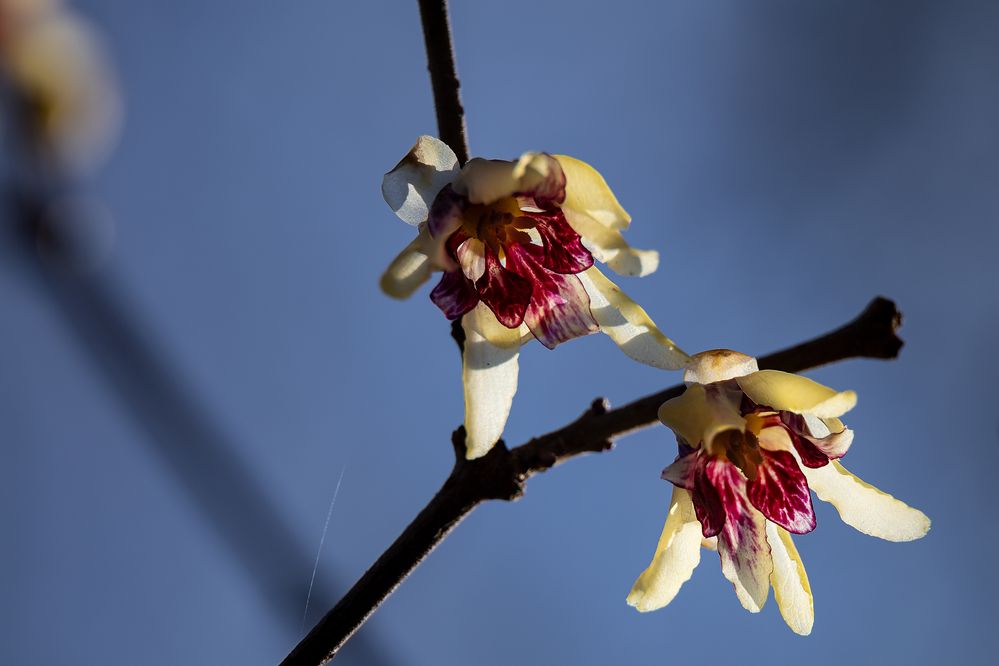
x: 516, y: 241
x: 752, y: 444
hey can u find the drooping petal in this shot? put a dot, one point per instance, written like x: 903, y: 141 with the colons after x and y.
x: 742, y: 542
x: 411, y: 186
x: 780, y: 492
x: 608, y: 245
x: 784, y: 391
x: 560, y: 308
x: 866, y: 508
x: 489, y: 375
x: 563, y: 250
x: 454, y: 294
x: 677, y: 555
x: 408, y: 270
x: 587, y: 192
x: 717, y: 365
x: 699, y: 417
x: 790, y: 582
x: 506, y: 293
x: 628, y: 325
x: 535, y: 175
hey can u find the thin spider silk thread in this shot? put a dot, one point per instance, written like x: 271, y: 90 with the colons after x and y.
x: 319, y: 552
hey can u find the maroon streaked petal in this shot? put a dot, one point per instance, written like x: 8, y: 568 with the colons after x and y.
x: 815, y: 451
x: 454, y: 241
x: 742, y: 544
x: 811, y: 455
x: 730, y: 487
x: 831, y: 444
x: 454, y: 294
x: 446, y: 213
x: 708, y: 505
x: 503, y: 291
x: 564, y: 250
x: 560, y: 307
x: 780, y: 492
x: 681, y: 472
x: 549, y: 192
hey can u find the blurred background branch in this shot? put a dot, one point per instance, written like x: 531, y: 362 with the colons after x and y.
x: 58, y: 104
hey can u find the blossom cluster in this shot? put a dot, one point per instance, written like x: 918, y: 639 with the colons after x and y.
x: 518, y: 245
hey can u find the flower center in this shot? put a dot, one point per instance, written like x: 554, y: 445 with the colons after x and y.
x: 497, y: 224
x: 742, y: 448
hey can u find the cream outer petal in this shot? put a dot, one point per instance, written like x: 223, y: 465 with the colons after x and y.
x: 864, y: 507
x: 794, y: 393
x: 411, y: 186
x: 586, y: 191
x: 487, y: 181
x: 607, y: 245
x: 699, y: 418
x: 717, y: 365
x: 408, y: 270
x: 677, y: 555
x: 628, y: 325
x: 790, y: 582
x: 489, y: 375
x: 482, y: 319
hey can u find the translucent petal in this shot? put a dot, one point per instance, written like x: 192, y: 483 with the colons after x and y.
x: 794, y: 393
x: 608, y: 245
x: 864, y: 507
x: 717, y: 365
x: 587, y: 192
x: 676, y: 557
x: 628, y: 325
x: 411, y: 186
x: 790, y: 582
x: 408, y: 270
x: 489, y: 375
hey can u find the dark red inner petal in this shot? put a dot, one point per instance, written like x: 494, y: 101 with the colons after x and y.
x: 709, y: 506
x: 563, y: 249
x: 454, y: 294
x: 730, y: 486
x: 810, y: 454
x: 503, y: 291
x: 560, y: 307
x: 446, y: 211
x: 780, y: 492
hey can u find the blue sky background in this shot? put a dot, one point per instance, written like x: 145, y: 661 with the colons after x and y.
x: 789, y: 160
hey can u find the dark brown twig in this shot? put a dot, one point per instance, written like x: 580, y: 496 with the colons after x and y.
x: 444, y: 76
x: 503, y: 472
